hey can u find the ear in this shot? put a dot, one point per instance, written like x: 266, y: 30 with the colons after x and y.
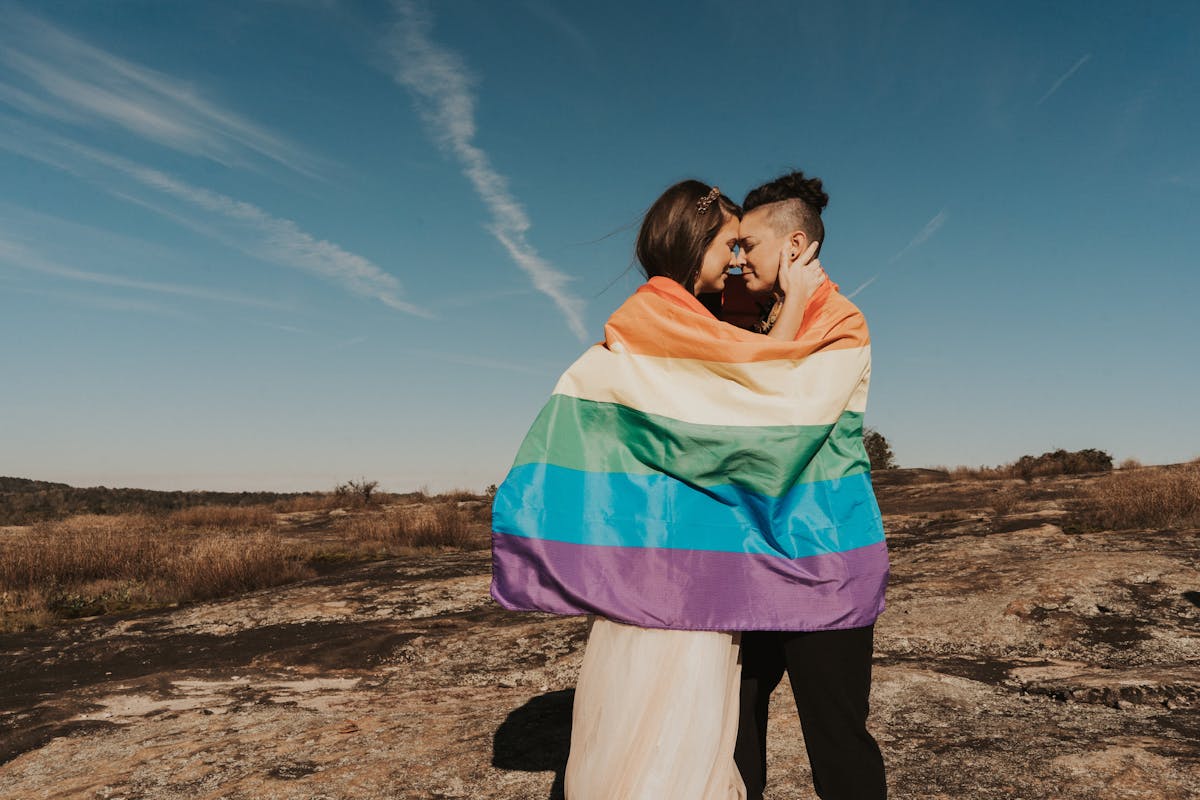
x: 797, y: 242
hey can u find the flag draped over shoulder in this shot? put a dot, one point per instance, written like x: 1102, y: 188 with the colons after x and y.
x: 688, y: 474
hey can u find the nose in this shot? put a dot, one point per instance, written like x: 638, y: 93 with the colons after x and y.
x: 738, y: 259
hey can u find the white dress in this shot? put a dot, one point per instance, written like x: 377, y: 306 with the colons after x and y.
x: 655, y: 715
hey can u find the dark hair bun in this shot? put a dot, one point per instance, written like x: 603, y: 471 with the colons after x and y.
x: 807, y: 189
x: 793, y: 186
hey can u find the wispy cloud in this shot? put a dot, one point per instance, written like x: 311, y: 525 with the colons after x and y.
x: 1064, y: 78
x: 280, y: 241
x: 16, y: 254
x: 233, y: 222
x: 79, y: 82
x: 933, y: 226
x: 923, y: 235
x: 118, y: 304
x: 441, y: 86
x: 32, y: 104
x: 551, y: 14
x: 278, y: 327
x: 466, y: 300
x: 864, y: 285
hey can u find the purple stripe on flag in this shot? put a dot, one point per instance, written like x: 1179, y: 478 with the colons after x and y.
x: 691, y: 589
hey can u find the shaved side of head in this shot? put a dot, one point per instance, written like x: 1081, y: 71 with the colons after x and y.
x: 794, y: 203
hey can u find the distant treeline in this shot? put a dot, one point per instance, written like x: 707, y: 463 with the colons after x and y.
x: 24, y: 501
x: 1027, y: 468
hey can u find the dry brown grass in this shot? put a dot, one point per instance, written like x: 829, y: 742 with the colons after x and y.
x: 230, y: 564
x: 321, y: 501
x: 94, y: 564
x: 457, y: 496
x: 1130, y: 463
x: 944, y: 474
x: 1006, y: 501
x: 83, y: 548
x: 1164, y: 497
x: 441, y: 524
x: 445, y: 526
x: 225, y: 517
x: 327, y: 501
x: 965, y: 473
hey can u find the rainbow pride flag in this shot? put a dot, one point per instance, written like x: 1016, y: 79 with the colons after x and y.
x: 688, y: 474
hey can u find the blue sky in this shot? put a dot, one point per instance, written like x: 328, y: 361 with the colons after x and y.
x: 279, y: 245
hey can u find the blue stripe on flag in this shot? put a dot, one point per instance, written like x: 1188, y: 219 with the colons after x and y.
x: 544, y: 501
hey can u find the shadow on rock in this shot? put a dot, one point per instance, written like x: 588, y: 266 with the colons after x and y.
x: 537, y: 738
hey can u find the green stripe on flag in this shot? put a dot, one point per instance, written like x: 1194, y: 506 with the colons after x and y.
x: 608, y: 437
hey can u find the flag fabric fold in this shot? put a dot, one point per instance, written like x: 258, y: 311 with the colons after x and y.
x: 688, y: 474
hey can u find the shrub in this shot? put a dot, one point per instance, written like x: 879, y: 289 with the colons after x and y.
x: 1055, y: 462
x: 1005, y: 501
x: 1062, y: 462
x: 357, y: 491
x: 878, y: 450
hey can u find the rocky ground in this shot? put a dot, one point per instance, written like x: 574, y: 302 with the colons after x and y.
x: 1014, y: 661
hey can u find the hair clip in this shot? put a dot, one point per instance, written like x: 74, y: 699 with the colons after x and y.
x: 706, y: 201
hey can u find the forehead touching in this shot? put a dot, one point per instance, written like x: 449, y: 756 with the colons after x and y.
x: 759, y: 222
x: 774, y: 219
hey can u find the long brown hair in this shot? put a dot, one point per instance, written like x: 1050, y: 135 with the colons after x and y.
x: 674, y: 234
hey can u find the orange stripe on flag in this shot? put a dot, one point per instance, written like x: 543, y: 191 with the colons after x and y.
x: 664, y: 319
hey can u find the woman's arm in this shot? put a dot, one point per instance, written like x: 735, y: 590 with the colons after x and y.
x: 798, y: 279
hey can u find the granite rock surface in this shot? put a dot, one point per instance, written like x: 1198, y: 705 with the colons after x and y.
x: 1014, y: 660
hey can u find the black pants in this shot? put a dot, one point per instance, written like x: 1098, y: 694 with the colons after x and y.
x: 830, y: 673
